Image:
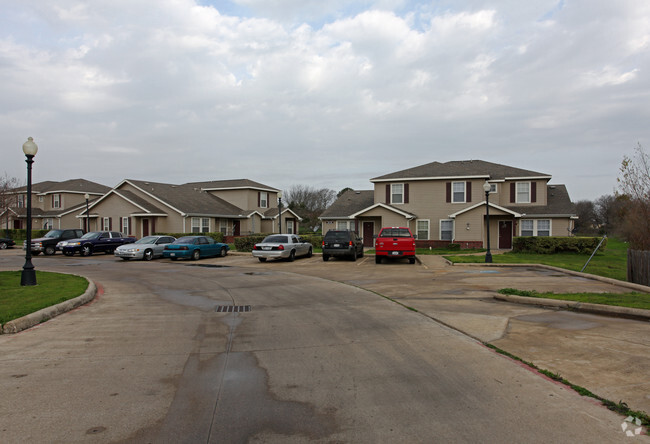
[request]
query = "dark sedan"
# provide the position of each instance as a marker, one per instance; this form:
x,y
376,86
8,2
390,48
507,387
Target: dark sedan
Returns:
x,y
6,243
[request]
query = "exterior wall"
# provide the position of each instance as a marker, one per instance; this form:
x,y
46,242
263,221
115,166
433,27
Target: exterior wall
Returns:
x,y
115,208
247,199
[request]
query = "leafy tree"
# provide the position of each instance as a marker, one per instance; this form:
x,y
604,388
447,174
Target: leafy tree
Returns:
x,y
634,190
309,202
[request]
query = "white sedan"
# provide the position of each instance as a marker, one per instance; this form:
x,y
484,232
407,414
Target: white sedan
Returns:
x,y
282,246
146,248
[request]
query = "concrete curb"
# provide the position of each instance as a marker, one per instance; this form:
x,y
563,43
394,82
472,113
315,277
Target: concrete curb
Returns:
x,y
608,310
47,313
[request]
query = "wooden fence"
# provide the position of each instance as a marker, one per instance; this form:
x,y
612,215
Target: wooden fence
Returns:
x,y
638,267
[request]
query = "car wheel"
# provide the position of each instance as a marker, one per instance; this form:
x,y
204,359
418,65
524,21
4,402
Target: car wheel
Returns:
x,y
148,255
173,258
292,255
49,251
361,252
326,257
262,259
3,245
68,253
86,250
377,259
35,253
196,255
223,252
411,260
310,253
354,255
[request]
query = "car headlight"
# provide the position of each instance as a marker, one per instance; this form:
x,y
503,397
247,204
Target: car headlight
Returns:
x,y
74,244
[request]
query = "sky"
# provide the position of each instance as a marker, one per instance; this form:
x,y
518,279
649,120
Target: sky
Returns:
x,y
327,94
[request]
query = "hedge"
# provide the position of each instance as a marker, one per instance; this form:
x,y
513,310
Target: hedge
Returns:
x,y
21,235
217,236
550,245
246,243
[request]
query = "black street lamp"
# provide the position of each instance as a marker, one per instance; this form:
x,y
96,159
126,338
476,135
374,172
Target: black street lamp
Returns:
x,y
280,211
28,275
486,188
87,196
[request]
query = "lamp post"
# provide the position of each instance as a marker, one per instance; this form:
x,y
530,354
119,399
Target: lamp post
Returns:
x,y
486,188
28,275
87,196
280,211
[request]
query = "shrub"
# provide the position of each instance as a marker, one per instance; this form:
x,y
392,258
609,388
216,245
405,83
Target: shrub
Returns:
x,y
246,243
550,245
453,247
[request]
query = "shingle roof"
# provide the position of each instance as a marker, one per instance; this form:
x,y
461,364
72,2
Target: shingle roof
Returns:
x,y
189,198
350,202
461,168
71,186
558,203
232,183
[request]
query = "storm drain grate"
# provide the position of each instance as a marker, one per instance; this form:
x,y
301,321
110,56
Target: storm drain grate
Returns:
x,y
232,308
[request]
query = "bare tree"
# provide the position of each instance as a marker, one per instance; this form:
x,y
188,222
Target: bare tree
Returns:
x,y
634,187
309,202
8,198
587,223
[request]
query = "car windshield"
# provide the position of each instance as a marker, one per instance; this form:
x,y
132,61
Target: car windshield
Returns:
x,y
276,239
337,236
146,240
395,232
185,240
54,233
91,235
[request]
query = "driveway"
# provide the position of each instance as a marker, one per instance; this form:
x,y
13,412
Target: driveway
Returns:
x,y
151,360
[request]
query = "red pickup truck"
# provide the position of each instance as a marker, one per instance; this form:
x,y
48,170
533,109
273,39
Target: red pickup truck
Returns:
x,y
395,242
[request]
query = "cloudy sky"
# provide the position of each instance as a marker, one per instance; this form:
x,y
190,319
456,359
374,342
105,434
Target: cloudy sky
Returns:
x,y
322,93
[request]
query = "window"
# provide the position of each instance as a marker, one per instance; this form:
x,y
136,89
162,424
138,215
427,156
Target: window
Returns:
x,y
541,227
223,226
289,224
397,193
126,229
523,192
56,201
21,201
200,225
341,224
48,224
493,188
422,229
458,192
106,223
446,229
40,198
264,199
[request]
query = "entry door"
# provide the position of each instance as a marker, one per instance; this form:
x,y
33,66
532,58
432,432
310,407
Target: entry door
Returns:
x,y
368,232
145,227
235,228
505,234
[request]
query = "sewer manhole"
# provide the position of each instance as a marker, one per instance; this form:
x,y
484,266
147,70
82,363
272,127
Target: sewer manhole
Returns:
x,y
232,308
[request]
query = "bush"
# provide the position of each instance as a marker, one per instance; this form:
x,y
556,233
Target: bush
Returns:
x,y
453,247
217,236
21,235
246,243
550,245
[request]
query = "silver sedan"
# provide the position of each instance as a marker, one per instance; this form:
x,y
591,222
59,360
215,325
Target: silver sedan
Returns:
x,y
146,248
282,246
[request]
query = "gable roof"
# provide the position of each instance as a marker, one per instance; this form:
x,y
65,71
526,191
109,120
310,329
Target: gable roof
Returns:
x,y
461,169
350,202
66,186
233,184
558,204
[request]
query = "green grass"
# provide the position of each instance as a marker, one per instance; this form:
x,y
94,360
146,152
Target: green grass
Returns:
x,y
17,301
611,263
631,300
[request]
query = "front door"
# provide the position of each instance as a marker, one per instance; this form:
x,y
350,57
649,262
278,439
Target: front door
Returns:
x,y
505,234
145,227
236,231
368,232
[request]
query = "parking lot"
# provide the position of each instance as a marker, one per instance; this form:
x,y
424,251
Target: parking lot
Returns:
x,y
323,345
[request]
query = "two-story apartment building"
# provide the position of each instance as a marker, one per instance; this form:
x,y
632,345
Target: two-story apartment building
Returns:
x,y
445,202
54,204
233,207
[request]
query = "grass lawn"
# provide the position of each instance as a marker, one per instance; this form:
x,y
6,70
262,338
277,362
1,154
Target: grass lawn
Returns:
x,y
611,263
631,300
17,301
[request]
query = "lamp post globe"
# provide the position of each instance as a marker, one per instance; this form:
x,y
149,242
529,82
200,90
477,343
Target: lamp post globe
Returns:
x,y
487,187
28,275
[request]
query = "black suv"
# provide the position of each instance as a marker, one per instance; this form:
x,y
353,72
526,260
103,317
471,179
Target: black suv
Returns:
x,y
48,243
343,243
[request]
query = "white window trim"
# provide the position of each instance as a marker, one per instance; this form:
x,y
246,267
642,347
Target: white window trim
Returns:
x,y
56,201
493,188
417,230
535,227
517,192
106,224
464,193
264,199
453,228
392,193
347,225
126,228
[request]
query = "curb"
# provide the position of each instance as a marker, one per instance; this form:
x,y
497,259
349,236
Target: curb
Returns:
x,y
47,313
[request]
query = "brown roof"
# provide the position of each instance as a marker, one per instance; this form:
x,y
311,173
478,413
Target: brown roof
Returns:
x,y
350,202
232,183
70,186
558,203
461,168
